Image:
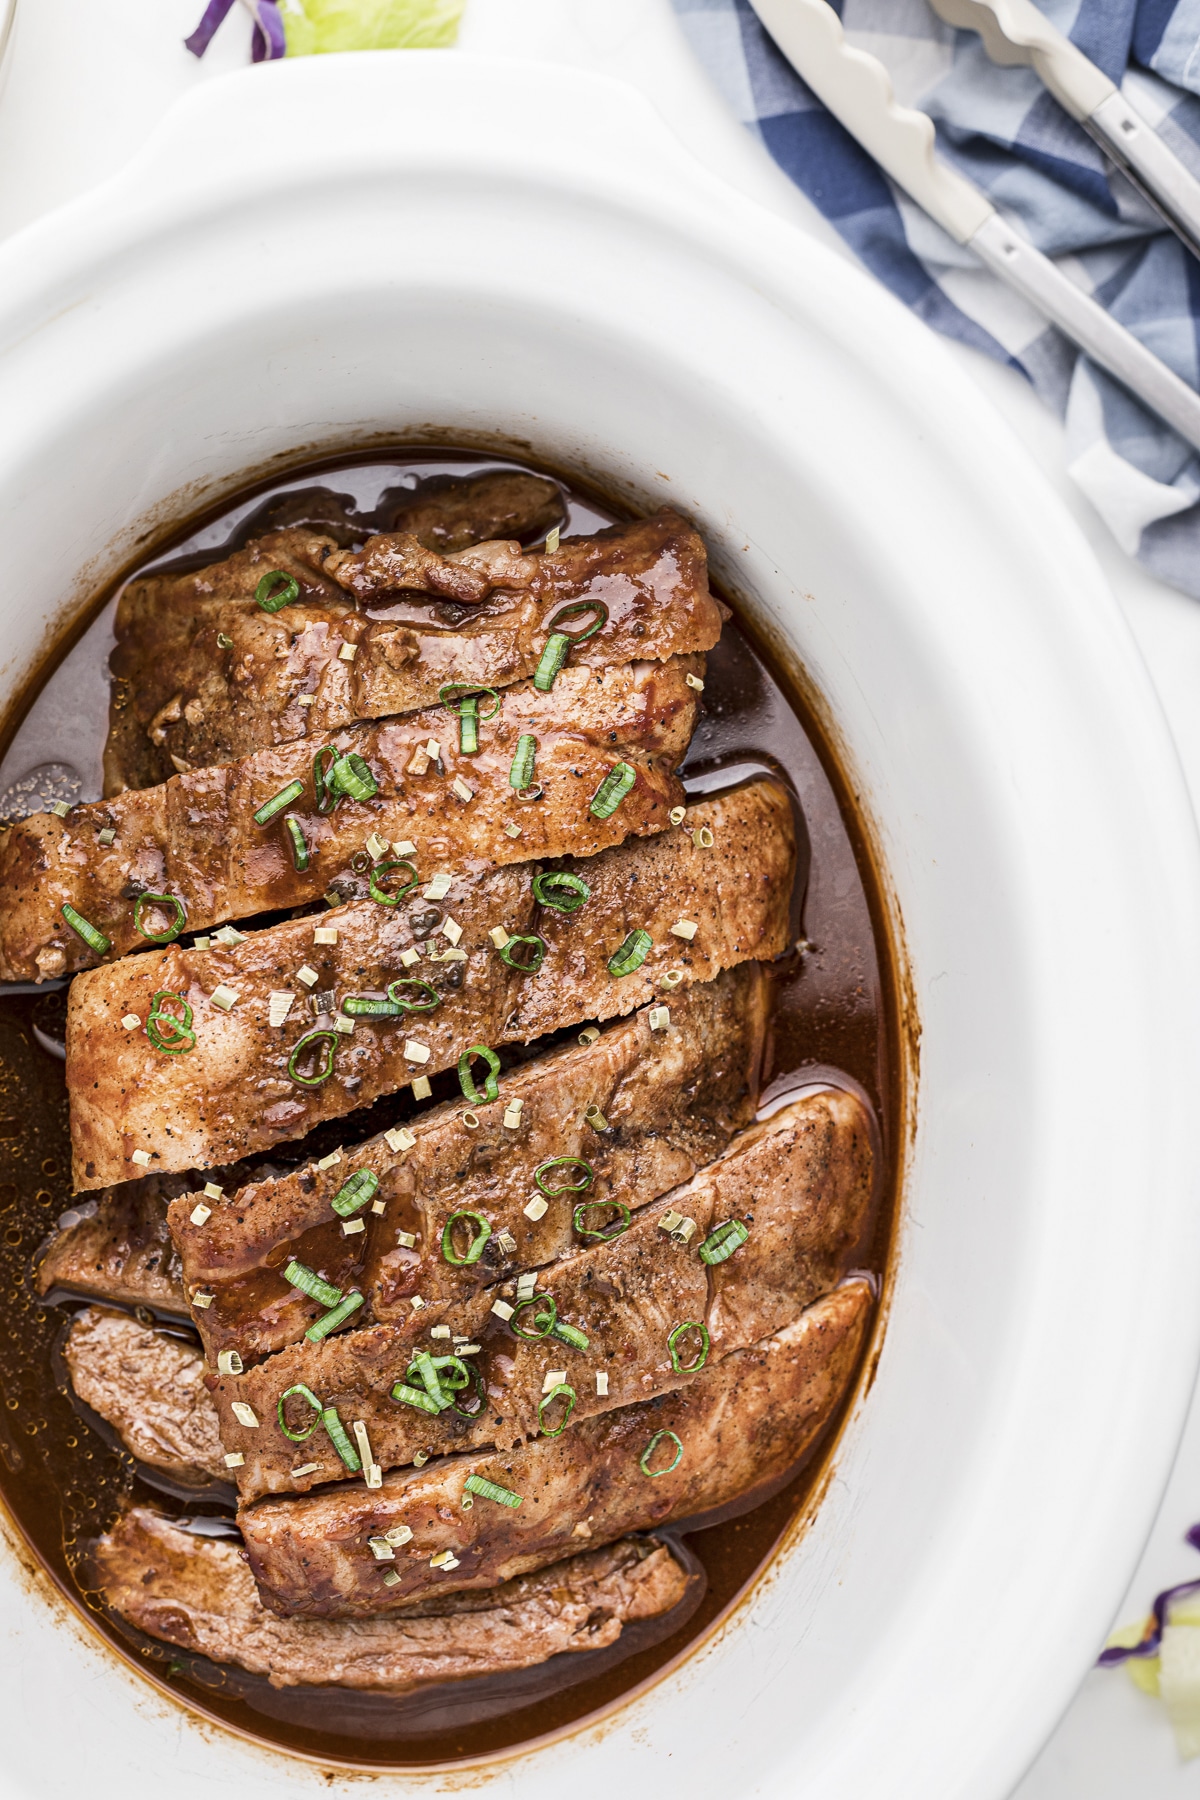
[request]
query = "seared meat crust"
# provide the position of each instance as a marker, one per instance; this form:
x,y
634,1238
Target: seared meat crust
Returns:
x,y
232,1094
195,838
742,1425
198,1593
121,1250
150,1388
451,512
670,1101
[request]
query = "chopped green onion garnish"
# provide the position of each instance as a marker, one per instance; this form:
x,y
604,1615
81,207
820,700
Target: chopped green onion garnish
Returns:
x,y
276,804
305,1393
178,1030
559,889
475,1247
611,1230
559,642
359,1006
554,655
564,1187
521,773
431,998
95,940
339,1439
325,1058
224,641
612,790
271,596
632,954
312,1284
721,1243
536,954
321,1328
651,1447
385,868
355,1194
299,842
327,798
469,714
411,1396
570,1334
350,775
543,1322
170,903
466,1080
426,1368
489,1490
560,1391
682,1368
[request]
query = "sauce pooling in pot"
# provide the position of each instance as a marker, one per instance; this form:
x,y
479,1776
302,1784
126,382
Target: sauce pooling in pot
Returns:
x,y
63,1474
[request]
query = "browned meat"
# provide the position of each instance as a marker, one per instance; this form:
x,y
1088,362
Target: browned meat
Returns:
x,y
198,1593
195,839
150,1389
740,1427
447,512
119,1249
204,676
802,1179
669,1102
232,1093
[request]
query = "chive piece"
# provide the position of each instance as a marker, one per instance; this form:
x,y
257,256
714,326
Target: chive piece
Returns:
x,y
692,1368
411,1396
648,1452
489,1490
632,954
426,1368
612,790
557,1392
339,1439
169,902
325,1059
355,1194
466,1080
721,1243
554,655
271,596
559,642
321,1328
276,804
295,832
559,889
570,1334
298,1275
95,940
521,773
327,799
179,1030
305,1393
543,1322
469,714
536,955
359,1006
351,776
565,1187
611,1230
474,1248
385,868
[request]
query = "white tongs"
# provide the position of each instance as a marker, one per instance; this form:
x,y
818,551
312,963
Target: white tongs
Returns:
x,y
857,89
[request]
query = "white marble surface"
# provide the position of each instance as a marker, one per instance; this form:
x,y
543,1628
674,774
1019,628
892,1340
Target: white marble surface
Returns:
x,y
85,80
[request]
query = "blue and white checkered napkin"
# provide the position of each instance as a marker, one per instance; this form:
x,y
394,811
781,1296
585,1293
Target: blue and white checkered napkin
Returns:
x,y
1003,129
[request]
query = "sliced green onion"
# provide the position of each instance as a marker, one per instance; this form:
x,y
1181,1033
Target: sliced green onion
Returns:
x,y
612,1230
521,773
271,596
478,1240
565,1187
612,790
298,1275
411,1396
466,1081
359,1006
276,804
481,1396
170,903
721,1243
350,775
327,798
692,1368
559,889
339,1439
543,1322
489,1490
536,955
469,714
179,1030
321,1328
295,832
632,954
570,1334
432,997
426,1368
557,1392
452,1372
559,642
95,940
305,1393
325,1061
652,1446
554,655
385,868
354,1195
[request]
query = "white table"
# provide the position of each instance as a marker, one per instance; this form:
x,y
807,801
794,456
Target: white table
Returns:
x,y
86,80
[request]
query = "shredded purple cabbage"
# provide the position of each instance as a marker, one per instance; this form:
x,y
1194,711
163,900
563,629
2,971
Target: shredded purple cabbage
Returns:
x,y
1151,1642
214,15
268,43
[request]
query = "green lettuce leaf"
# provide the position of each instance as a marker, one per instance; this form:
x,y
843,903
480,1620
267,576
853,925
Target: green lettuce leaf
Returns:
x,y
313,27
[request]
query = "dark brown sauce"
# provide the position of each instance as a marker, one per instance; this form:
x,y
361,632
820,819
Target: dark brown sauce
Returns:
x,y
63,1477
